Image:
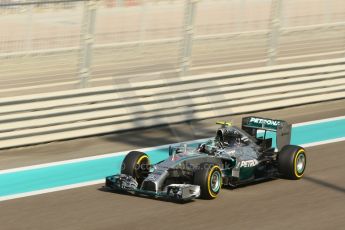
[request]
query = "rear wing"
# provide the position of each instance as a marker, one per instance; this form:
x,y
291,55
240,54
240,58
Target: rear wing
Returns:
x,y
283,130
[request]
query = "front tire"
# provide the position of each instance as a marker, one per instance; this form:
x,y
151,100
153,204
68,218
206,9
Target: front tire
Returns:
x,y
292,162
136,164
209,178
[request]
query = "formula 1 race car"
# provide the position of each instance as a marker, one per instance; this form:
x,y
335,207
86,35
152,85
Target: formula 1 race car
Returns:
x,y
234,157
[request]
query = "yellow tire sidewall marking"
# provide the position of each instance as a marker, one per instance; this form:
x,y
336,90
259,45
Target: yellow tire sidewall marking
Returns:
x,y
295,163
140,160
209,178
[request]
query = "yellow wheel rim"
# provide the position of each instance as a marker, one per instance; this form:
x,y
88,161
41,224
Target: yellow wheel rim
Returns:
x,y
209,182
299,163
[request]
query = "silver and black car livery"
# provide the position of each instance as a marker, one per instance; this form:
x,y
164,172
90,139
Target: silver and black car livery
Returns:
x,y
235,156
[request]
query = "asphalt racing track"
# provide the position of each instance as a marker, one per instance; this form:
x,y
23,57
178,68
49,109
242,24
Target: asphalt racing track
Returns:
x,y
315,202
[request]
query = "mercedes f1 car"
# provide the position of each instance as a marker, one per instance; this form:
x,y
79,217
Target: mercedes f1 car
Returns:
x,y
235,156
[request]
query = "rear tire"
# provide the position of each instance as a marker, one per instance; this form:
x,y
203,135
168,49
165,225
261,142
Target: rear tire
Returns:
x,y
136,164
292,162
209,177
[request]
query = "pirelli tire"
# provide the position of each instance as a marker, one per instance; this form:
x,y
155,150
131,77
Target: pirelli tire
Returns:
x,y
292,161
136,164
209,177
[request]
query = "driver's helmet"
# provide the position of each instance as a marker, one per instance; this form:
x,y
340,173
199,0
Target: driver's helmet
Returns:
x,y
229,136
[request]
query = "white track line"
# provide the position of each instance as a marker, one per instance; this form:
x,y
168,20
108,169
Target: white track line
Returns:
x,y
324,142
38,192
319,121
60,162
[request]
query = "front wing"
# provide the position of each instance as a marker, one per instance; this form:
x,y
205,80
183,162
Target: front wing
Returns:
x,y
125,183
